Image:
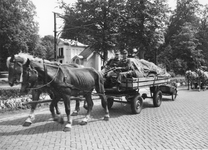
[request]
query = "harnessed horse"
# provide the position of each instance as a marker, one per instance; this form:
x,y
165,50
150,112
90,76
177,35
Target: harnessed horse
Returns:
x,y
191,77
203,78
68,82
15,69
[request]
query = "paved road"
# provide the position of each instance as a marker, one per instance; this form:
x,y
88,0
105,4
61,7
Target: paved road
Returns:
x,y
180,124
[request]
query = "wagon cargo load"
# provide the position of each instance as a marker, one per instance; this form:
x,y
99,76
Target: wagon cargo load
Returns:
x,y
143,74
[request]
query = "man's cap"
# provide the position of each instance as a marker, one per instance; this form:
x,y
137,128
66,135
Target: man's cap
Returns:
x,y
124,52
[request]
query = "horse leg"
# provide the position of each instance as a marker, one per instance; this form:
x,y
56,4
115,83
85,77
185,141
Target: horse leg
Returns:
x,y
105,102
54,104
188,84
88,99
77,108
85,105
55,99
68,126
199,85
31,117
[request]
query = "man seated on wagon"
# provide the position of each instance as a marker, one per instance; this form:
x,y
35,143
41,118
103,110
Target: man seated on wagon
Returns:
x,y
113,62
121,71
124,67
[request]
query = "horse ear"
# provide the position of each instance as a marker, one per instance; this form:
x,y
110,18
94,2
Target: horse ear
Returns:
x,y
27,63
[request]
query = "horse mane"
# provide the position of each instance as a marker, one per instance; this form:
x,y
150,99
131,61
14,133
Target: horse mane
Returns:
x,y
23,57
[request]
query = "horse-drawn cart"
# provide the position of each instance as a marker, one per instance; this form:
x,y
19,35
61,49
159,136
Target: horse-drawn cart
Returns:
x,y
130,89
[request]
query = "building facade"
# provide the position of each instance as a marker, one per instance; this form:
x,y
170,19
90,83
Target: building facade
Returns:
x,y
67,49
70,51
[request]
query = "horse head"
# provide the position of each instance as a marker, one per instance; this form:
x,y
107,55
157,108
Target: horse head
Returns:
x,y
14,65
30,77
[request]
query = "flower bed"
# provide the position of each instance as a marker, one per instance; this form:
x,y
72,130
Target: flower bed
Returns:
x,y
10,99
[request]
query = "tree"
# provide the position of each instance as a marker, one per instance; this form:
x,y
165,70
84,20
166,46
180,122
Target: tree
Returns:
x,y
94,23
202,35
181,37
143,25
48,43
18,30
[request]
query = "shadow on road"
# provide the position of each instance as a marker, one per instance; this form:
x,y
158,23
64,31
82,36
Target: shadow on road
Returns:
x,y
43,123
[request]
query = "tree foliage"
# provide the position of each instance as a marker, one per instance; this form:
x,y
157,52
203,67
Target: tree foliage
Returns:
x,y
122,24
176,39
18,30
48,43
183,39
94,23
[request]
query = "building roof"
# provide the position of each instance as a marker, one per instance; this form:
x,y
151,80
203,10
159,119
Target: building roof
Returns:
x,y
72,42
86,53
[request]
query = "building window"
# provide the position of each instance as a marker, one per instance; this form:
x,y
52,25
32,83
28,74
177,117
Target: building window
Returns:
x,y
61,52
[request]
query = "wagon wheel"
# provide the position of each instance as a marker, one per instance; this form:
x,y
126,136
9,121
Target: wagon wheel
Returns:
x,y
157,98
136,104
110,102
174,95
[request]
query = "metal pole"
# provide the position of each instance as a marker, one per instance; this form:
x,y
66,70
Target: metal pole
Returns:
x,y
55,39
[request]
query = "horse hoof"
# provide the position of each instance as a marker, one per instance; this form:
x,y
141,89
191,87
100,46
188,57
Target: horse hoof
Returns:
x,y
83,123
66,129
106,118
26,124
74,114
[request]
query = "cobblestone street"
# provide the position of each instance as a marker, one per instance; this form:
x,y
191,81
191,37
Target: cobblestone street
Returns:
x,y
179,124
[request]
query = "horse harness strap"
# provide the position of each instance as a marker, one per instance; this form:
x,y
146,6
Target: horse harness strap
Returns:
x,y
46,83
45,74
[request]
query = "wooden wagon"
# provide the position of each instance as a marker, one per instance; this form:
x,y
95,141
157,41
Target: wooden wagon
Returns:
x,y
130,89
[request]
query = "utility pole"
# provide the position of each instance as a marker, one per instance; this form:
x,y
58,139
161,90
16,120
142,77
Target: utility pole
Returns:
x,y
55,39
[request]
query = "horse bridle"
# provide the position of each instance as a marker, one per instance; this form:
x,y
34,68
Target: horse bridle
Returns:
x,y
14,68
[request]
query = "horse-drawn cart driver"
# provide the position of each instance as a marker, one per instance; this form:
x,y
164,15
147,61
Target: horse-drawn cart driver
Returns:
x,y
113,62
122,70
124,64
124,67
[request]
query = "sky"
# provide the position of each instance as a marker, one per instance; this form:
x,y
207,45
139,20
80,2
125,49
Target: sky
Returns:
x,y
45,15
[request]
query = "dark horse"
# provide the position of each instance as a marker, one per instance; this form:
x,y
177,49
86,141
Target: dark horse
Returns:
x,y
15,69
67,82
